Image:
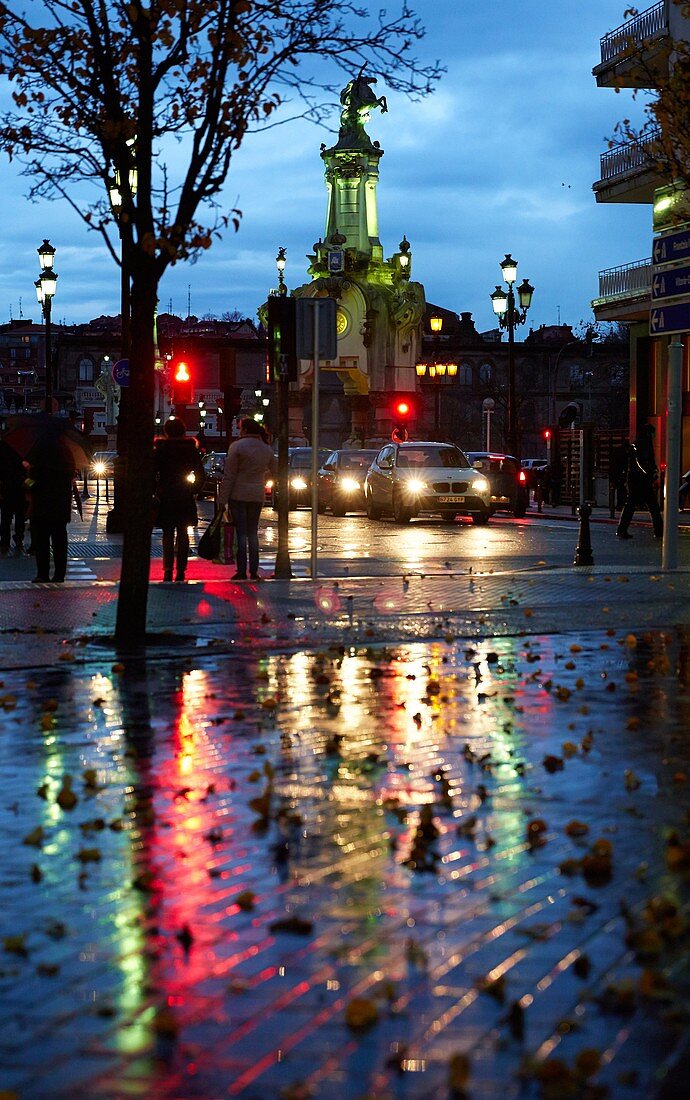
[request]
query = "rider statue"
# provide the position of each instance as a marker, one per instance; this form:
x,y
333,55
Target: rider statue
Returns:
x,y
358,101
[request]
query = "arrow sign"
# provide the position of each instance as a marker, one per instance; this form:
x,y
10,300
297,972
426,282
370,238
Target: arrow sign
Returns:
x,y
664,320
670,283
671,247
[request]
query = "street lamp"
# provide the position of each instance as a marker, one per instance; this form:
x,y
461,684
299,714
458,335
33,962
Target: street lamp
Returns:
x,y
46,285
436,370
283,567
509,315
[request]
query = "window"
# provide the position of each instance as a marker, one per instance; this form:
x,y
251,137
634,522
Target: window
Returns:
x,y
86,369
464,375
617,374
486,373
577,373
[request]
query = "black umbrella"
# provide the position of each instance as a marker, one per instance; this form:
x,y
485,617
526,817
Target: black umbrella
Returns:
x,y
39,436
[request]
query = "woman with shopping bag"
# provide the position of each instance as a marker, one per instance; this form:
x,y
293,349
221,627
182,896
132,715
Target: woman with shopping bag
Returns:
x,y
249,463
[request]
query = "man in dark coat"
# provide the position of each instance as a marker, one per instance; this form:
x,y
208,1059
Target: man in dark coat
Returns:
x,y
641,483
179,476
50,483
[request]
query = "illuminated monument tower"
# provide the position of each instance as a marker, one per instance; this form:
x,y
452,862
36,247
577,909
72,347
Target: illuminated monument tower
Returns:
x,y
379,309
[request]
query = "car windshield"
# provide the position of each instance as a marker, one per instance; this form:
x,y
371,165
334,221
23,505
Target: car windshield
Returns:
x,y
362,460
426,458
301,460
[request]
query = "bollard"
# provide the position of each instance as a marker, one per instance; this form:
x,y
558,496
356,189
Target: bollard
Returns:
x,y
583,552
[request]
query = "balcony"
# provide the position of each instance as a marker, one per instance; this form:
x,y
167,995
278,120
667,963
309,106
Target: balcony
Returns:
x,y
624,292
635,55
628,172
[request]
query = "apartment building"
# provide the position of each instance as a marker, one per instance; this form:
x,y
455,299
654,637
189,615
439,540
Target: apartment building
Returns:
x,y
639,55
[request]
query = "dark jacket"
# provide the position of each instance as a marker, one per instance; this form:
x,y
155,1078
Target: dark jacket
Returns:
x,y
174,460
12,475
49,482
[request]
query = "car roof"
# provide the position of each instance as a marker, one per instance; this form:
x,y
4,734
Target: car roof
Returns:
x,y
425,443
490,454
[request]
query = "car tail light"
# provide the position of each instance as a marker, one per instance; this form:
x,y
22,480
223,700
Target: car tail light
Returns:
x,y
522,477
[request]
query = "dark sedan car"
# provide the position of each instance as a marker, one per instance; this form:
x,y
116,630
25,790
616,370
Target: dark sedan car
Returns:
x,y
341,481
509,488
299,476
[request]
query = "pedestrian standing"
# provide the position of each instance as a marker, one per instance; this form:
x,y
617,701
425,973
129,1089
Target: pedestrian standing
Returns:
x,y
50,485
249,463
641,491
12,500
179,475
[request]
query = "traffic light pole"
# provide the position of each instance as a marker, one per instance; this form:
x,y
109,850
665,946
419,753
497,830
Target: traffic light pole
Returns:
x,y
315,446
283,568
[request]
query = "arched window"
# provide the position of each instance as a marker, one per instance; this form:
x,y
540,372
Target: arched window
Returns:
x,y
486,373
464,377
86,369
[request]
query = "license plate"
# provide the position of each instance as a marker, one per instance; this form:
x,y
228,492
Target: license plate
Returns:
x,y
451,500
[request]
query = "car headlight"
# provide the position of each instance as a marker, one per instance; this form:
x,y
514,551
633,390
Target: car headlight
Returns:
x,y
480,485
414,485
298,483
348,484
191,478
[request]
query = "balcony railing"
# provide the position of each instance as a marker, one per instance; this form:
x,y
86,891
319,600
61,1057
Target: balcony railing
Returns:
x,y
635,32
631,157
627,281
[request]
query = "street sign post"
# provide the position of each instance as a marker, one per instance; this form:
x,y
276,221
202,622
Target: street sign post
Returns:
x,y
670,282
664,320
671,247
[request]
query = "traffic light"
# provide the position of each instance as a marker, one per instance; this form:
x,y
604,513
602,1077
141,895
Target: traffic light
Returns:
x,y
233,402
547,435
282,337
182,384
404,408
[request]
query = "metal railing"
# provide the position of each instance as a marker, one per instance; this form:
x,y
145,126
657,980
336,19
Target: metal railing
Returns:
x,y
627,281
634,32
629,157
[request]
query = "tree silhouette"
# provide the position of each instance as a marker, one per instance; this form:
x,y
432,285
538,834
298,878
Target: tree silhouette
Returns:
x,y
163,94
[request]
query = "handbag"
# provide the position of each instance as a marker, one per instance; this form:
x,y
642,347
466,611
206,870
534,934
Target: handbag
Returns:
x,y
209,543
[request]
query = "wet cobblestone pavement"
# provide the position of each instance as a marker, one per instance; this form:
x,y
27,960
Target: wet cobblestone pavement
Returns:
x,y
429,869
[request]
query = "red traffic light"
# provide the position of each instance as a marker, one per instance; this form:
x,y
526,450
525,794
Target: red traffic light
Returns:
x,y
402,409
183,388
547,434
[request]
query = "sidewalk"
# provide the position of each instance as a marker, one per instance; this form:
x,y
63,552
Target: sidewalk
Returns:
x,y
387,838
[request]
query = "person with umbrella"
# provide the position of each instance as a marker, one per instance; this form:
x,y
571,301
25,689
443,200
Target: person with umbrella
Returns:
x,y
54,451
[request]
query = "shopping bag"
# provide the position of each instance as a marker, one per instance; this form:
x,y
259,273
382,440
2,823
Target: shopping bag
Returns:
x,y
226,545
210,542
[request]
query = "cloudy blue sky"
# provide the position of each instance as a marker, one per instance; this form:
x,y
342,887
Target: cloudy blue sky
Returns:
x,y
501,159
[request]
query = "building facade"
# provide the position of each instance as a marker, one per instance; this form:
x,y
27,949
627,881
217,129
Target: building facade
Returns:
x,y
639,55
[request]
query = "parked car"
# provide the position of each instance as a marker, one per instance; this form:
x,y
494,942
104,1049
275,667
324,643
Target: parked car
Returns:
x,y
341,481
214,464
410,478
509,487
299,476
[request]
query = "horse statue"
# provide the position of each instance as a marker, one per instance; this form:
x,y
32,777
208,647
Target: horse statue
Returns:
x,y
359,100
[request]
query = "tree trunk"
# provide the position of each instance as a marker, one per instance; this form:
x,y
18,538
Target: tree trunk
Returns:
x,y
130,626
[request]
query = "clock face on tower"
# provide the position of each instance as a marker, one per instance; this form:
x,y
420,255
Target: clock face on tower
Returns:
x,y
342,322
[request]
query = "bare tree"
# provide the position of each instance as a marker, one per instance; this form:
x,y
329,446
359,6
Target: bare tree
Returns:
x,y
169,90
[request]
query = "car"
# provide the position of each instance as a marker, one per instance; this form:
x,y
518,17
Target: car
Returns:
x,y
509,486
341,480
299,476
214,464
410,478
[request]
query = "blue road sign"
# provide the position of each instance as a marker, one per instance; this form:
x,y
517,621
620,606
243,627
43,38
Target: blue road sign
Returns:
x,y
664,320
670,283
121,372
671,247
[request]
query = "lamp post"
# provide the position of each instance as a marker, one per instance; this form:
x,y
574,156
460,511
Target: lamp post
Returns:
x,y
436,370
283,566
509,315
46,285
